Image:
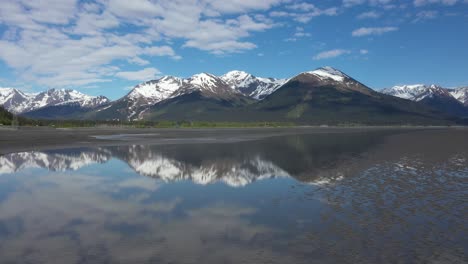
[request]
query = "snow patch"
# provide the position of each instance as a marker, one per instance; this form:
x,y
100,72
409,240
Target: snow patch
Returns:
x,y
329,73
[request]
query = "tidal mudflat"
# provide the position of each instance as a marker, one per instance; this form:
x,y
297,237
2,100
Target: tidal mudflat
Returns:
x,y
360,196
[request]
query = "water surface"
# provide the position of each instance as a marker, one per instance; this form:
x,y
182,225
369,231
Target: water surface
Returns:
x,y
362,197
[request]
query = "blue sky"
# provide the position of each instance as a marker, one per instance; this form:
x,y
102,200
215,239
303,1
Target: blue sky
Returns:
x,y
108,46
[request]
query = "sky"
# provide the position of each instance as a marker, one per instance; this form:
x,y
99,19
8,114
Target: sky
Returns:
x,y
105,47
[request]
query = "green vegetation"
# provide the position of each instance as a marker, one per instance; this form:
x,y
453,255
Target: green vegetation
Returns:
x,y
146,124
5,117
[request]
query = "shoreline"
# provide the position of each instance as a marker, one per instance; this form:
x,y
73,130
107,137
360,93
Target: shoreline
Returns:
x,y
45,138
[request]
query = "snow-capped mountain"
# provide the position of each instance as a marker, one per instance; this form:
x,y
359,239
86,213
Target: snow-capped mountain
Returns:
x,y
19,102
252,86
461,94
156,90
149,93
230,85
437,97
15,100
329,73
140,99
214,97
207,84
329,76
417,92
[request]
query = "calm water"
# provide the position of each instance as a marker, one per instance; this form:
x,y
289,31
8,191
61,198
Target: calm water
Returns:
x,y
363,197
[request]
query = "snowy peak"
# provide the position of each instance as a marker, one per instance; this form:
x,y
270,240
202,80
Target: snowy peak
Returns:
x,y
237,78
461,94
437,97
417,92
249,85
20,102
205,81
208,84
54,97
149,93
67,96
14,100
156,90
329,73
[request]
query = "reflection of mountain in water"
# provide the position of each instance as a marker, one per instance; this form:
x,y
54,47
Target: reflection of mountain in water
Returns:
x,y
315,158
310,158
55,161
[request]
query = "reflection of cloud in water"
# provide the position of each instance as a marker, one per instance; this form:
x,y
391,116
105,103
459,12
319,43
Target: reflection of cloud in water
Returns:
x,y
71,223
382,198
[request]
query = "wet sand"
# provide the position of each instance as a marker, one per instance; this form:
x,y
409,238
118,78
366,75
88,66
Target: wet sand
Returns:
x,y
38,138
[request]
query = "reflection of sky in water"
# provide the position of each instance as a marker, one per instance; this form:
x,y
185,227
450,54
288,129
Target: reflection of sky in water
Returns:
x,y
364,198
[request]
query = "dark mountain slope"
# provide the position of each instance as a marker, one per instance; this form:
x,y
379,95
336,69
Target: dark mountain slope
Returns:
x,y
314,97
196,106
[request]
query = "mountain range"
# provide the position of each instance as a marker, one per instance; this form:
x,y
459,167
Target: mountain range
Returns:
x,y
322,96
50,103
451,101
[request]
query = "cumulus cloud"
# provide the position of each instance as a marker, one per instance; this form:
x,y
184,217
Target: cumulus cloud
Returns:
x,y
366,31
142,75
331,54
58,43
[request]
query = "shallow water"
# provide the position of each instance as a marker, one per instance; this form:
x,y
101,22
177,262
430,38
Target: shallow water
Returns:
x,y
363,197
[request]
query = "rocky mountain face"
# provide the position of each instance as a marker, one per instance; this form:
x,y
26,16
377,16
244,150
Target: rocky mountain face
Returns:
x,y
19,102
450,101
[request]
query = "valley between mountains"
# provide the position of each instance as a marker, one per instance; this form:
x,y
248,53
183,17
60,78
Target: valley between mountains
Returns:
x,y
322,96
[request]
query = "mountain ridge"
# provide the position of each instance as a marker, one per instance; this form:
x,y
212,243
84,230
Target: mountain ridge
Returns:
x,y
19,102
207,97
451,101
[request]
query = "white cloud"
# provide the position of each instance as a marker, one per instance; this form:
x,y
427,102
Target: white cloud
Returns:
x,y
160,51
370,14
138,61
142,75
366,31
305,12
331,54
443,2
351,3
363,51
239,6
424,15
302,6
67,43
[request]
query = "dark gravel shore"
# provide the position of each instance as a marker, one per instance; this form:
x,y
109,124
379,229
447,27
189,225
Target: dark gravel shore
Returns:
x,y
38,138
